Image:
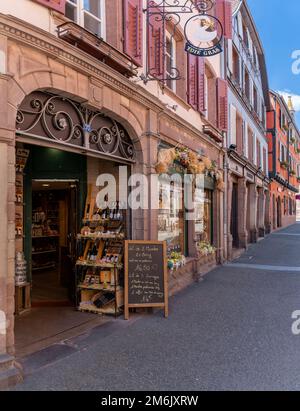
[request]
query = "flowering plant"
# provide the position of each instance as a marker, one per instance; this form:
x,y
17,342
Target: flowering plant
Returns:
x,y
205,248
176,261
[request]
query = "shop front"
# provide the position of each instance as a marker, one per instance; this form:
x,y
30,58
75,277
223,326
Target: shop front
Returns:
x,y
65,121
69,243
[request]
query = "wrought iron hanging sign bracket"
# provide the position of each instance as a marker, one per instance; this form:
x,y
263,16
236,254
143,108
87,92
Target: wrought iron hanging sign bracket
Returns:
x,y
203,34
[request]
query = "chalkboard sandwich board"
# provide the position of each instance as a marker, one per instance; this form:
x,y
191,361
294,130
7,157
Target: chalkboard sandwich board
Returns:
x,y
146,275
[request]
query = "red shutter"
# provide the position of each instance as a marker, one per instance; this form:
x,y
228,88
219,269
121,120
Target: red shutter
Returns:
x,y
156,36
193,81
222,101
58,5
224,14
133,27
201,84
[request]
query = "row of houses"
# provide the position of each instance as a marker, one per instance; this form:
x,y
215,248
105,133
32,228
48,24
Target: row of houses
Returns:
x,y
88,85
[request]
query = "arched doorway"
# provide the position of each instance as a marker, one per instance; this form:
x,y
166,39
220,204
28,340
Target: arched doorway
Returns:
x,y
69,144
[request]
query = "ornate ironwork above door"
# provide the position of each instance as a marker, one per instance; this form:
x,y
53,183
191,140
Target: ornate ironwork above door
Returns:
x,y
53,117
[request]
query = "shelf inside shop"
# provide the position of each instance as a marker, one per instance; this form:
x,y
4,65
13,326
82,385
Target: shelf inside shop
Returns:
x,y
44,267
99,265
100,287
43,252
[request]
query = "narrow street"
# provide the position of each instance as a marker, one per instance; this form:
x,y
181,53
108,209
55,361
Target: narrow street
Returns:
x,y
230,332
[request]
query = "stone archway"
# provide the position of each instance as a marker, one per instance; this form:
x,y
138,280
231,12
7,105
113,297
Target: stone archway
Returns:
x,y
67,123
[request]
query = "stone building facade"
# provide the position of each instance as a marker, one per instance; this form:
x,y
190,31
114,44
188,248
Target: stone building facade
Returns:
x,y
40,52
247,148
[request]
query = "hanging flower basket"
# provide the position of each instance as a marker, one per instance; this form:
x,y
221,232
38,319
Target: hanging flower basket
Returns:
x,y
192,162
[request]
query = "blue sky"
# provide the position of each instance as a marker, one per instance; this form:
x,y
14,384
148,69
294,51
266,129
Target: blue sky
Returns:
x,y
278,24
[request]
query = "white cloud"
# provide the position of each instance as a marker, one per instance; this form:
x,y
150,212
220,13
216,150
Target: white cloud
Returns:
x,y
295,98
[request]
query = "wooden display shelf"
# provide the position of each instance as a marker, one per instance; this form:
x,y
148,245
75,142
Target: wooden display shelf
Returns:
x,y
99,265
100,287
99,237
46,267
43,252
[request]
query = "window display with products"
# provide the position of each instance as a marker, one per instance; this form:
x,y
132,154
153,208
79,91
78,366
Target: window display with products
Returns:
x,y
203,224
171,217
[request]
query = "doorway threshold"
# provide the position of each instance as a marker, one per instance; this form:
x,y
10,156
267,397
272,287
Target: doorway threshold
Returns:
x,y
43,327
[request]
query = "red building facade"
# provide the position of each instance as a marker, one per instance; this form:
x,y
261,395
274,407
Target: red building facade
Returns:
x,y
284,148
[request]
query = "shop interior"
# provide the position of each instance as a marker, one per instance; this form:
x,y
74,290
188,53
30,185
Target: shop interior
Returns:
x,y
54,211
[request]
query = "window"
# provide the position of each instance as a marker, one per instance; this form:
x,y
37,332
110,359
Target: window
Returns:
x,y
89,14
171,226
170,61
204,221
247,85
255,100
245,35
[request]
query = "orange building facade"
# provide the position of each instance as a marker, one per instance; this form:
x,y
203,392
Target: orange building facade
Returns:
x,y
284,159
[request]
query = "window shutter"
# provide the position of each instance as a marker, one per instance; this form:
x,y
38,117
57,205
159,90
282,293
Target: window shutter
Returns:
x,y
232,124
246,142
201,84
230,58
224,14
133,27
250,145
58,5
156,36
222,101
240,25
193,81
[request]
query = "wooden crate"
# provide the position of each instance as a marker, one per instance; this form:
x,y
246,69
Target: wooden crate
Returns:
x,y
86,296
22,298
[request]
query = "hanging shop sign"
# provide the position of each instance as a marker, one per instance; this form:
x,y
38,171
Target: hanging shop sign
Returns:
x,y
146,275
204,34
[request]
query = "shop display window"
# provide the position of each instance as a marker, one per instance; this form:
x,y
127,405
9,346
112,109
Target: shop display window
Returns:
x,y
171,225
203,223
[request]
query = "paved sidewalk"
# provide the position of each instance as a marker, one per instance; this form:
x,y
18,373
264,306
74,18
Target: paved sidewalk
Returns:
x,y
230,332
